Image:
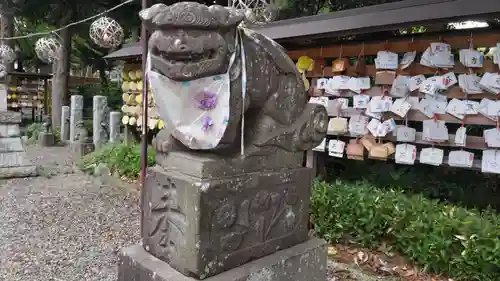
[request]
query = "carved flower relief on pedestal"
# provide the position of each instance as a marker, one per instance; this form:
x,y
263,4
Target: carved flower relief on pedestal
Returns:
x,y
169,223
259,215
226,217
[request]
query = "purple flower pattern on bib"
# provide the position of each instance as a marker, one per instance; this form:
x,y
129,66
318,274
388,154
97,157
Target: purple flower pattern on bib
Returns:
x,y
207,123
206,100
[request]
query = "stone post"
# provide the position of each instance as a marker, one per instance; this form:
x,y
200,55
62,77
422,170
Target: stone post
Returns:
x,y
3,97
76,115
114,126
127,135
100,121
65,124
14,162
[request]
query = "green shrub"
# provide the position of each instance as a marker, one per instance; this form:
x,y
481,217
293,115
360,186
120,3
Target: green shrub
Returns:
x,y
34,129
119,158
112,91
467,188
465,244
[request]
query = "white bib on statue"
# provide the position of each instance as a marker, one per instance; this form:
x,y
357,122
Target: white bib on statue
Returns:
x,y
197,110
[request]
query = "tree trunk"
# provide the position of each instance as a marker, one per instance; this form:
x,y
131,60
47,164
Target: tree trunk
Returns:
x,y
60,80
102,73
8,30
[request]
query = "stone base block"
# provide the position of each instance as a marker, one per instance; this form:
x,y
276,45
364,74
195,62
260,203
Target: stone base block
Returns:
x,y
46,139
9,130
203,227
18,172
10,117
14,159
82,149
303,262
13,144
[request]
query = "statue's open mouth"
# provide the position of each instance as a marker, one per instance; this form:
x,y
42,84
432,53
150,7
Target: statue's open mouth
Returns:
x,y
190,55
184,58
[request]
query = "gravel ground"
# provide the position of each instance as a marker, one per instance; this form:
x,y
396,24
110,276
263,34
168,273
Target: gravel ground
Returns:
x,y
63,225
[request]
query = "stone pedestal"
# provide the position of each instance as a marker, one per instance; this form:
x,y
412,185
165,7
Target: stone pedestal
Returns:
x,y
46,139
210,216
81,149
13,159
303,262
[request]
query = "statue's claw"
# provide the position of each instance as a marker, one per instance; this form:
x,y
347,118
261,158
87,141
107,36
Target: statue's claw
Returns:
x,y
314,130
163,142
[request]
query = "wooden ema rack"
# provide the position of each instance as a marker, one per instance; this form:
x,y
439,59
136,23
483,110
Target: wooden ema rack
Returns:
x,y
475,142
28,91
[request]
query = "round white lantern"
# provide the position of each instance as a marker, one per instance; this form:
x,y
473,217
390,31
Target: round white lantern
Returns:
x,y
257,12
7,54
47,49
106,32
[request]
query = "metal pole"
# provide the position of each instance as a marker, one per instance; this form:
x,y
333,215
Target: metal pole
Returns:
x,y
144,138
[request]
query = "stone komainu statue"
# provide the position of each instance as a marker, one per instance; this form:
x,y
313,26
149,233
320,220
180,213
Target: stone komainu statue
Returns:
x,y
212,208
192,41
47,124
82,133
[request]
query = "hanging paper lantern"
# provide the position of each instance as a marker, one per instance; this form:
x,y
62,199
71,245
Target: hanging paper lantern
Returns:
x,y
160,124
125,120
47,49
152,123
7,54
106,32
132,86
132,121
304,64
125,97
139,121
138,99
256,12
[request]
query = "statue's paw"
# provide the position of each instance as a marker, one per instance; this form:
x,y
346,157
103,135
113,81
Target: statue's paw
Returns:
x,y
319,123
161,145
315,128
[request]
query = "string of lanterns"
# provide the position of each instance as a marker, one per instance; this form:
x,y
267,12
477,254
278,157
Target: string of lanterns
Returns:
x,y
108,33
104,32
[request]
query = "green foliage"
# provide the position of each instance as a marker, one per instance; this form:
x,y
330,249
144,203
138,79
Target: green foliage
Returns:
x,y
112,91
466,188
119,158
465,244
300,8
88,125
27,54
34,129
